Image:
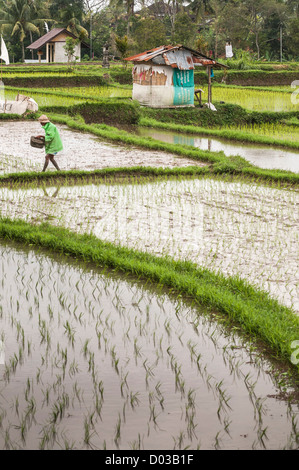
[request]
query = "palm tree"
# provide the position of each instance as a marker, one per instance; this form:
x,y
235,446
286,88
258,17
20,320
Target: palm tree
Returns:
x,y
40,14
129,7
71,16
16,16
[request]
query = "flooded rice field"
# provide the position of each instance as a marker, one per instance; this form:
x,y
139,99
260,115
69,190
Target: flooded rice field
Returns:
x,y
89,360
81,152
86,152
236,228
254,100
261,156
92,361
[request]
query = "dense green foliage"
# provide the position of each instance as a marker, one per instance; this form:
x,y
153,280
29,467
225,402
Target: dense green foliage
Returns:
x,y
259,30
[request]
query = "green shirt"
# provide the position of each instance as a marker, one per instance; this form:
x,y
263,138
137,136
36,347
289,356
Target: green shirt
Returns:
x,y
53,141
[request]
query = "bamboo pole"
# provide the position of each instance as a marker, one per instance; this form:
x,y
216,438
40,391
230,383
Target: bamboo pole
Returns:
x,y
1,54
209,86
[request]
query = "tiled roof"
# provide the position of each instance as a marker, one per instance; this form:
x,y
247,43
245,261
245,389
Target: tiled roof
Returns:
x,y
48,37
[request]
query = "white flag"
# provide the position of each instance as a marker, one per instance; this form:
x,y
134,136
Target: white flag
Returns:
x,y
228,51
46,27
4,52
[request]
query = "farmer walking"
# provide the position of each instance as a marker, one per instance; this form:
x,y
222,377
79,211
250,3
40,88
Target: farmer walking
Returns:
x,y
53,143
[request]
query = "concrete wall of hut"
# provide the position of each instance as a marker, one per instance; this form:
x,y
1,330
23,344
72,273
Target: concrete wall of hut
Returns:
x,y
157,86
59,51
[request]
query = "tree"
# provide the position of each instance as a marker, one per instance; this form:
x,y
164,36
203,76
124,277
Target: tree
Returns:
x,y
292,41
16,17
218,8
199,8
201,45
69,15
122,45
149,33
243,21
98,23
71,19
70,48
276,20
172,9
92,8
293,8
184,29
129,6
40,16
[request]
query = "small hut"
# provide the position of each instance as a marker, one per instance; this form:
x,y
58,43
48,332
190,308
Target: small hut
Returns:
x,y
54,42
164,77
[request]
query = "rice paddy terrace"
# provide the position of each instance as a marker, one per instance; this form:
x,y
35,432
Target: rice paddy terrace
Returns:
x,y
149,292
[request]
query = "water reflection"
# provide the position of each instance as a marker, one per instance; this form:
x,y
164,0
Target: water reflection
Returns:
x,y
240,229
96,361
262,156
51,192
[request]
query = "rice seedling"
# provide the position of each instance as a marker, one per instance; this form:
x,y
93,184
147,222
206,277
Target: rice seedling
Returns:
x,y
117,431
222,198
46,99
279,132
266,134
150,354
93,92
257,99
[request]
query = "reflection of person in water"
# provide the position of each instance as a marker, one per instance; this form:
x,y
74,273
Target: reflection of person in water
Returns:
x,y
54,194
53,143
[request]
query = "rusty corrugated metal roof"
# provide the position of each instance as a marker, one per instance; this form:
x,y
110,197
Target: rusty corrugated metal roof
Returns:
x,y
178,56
202,61
148,55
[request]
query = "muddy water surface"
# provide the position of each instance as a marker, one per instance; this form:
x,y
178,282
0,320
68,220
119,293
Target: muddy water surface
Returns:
x,y
91,361
240,229
262,156
81,152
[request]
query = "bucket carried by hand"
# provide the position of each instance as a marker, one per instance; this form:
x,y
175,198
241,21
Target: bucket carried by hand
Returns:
x,y
37,142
